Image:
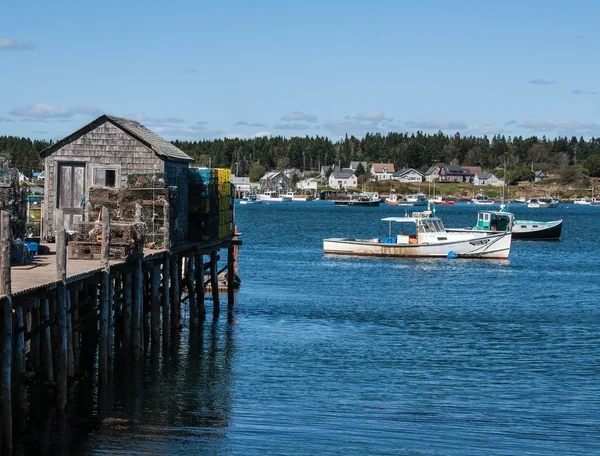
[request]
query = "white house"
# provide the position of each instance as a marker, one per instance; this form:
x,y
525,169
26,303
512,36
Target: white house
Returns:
x,y
309,183
408,175
432,174
241,184
382,171
342,179
487,179
540,175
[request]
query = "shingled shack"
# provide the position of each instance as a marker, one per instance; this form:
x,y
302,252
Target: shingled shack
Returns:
x,y
104,153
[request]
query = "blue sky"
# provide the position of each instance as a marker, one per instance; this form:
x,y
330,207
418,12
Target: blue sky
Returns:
x,y
198,69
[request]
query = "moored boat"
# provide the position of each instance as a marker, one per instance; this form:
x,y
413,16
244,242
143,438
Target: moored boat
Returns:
x,y
493,221
392,200
251,199
441,201
415,200
482,200
273,196
363,199
542,202
429,238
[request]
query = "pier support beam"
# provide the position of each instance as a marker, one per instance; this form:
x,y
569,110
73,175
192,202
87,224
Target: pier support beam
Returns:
x,y
191,288
7,333
175,270
105,299
137,311
127,318
214,282
165,301
61,314
200,286
230,276
155,304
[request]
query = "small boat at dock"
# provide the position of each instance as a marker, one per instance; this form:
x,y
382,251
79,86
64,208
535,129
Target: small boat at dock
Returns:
x,y
273,196
542,202
363,199
251,199
482,200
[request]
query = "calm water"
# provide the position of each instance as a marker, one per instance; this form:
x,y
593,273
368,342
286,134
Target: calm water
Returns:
x,y
363,356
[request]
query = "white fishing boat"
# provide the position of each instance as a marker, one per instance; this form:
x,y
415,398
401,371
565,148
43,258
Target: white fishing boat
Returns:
x,y
250,199
416,200
482,200
300,198
542,202
583,201
273,196
429,238
392,200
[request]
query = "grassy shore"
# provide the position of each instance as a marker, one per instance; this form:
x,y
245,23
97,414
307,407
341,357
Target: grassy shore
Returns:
x,y
467,191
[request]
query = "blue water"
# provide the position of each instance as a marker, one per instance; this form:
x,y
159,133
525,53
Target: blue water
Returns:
x,y
326,355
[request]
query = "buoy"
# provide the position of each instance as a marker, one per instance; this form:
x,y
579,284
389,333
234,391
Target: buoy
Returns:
x,y
452,254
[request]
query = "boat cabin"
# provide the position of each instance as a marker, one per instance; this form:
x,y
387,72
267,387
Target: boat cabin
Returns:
x,y
414,230
494,221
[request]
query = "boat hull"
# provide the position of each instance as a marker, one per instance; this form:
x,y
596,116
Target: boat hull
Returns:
x,y
495,246
356,203
537,231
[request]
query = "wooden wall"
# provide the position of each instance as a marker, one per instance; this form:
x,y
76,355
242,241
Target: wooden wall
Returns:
x,y
106,144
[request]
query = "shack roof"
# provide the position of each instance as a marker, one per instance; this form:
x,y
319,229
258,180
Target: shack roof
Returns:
x,y
150,139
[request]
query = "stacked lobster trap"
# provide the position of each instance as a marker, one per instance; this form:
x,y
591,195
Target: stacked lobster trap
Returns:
x,y
137,218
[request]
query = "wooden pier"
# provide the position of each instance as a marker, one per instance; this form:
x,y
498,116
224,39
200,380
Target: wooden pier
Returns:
x,y
64,320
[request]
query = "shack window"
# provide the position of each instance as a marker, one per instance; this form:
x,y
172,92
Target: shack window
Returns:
x,y
106,175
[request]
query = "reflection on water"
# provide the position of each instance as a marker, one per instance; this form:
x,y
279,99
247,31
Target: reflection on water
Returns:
x,y
169,401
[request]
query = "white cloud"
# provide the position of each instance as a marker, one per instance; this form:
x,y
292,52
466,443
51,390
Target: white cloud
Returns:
x,y
143,118
249,124
292,126
10,44
438,125
260,134
370,116
562,127
299,117
542,81
45,112
234,136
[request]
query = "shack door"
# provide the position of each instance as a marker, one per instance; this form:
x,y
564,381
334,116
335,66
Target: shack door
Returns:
x,y
71,184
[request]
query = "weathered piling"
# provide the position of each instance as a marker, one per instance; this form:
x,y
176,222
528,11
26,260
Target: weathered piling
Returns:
x,y
230,276
166,301
61,314
127,316
7,333
191,289
137,310
155,303
105,298
200,286
175,270
214,281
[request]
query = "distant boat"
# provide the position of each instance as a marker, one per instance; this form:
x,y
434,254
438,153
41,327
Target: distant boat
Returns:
x,y
251,199
441,201
296,197
392,200
521,200
430,239
494,221
542,202
363,199
584,201
482,200
416,200
273,196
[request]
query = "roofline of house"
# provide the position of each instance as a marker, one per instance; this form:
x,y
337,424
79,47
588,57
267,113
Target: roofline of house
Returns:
x,y
95,123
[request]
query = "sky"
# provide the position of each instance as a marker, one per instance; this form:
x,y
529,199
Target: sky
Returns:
x,y
193,70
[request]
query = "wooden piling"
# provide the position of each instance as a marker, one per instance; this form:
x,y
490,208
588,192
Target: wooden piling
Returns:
x,y
104,298
70,351
155,304
19,369
137,310
127,320
166,300
61,314
74,292
7,333
191,288
200,286
175,270
214,282
230,276
34,346
46,367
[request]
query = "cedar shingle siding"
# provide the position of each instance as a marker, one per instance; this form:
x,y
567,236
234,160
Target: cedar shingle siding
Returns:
x,y
119,142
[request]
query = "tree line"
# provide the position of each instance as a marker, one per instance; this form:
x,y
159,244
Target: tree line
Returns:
x,y
572,157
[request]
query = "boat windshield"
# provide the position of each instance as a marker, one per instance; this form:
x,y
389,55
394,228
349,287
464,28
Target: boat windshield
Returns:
x,y
431,226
